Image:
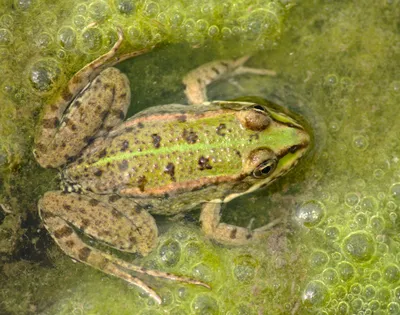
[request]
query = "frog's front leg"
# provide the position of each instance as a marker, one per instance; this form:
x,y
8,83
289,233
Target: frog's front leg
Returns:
x,y
196,81
130,230
226,233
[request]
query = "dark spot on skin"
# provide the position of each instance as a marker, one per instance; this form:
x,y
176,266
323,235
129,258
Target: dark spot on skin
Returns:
x,y
238,153
77,103
142,181
67,95
190,136
93,202
232,235
181,118
102,153
254,137
129,129
85,224
220,130
204,163
88,139
125,145
67,207
170,169
121,115
50,123
77,79
80,161
106,86
294,148
156,140
140,125
68,158
63,232
224,64
199,81
70,243
123,166
113,198
132,240
249,236
84,253
123,95
215,70
81,210
116,214
53,108
98,173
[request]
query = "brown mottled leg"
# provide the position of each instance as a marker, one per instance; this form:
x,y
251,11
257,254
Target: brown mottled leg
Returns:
x,y
131,231
196,81
226,233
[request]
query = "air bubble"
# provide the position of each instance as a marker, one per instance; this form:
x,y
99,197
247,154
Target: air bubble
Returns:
x,y
170,253
244,268
319,259
377,223
351,199
92,40
369,292
43,40
369,204
374,305
331,80
151,9
226,33
202,25
346,271
379,173
176,19
44,74
310,213
332,233
356,304
343,308
359,246
315,294
202,272
67,37
99,10
383,295
204,304
360,143
375,276
23,5
391,274
79,21
330,276
361,220
5,37
125,6
395,191
213,31
260,22
394,308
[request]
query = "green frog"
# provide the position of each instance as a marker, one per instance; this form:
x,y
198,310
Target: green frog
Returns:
x,y
165,160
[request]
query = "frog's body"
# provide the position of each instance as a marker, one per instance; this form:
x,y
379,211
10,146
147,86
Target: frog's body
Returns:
x,y
164,160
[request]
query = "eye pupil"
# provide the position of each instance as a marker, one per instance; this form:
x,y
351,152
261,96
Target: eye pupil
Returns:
x,y
264,169
259,107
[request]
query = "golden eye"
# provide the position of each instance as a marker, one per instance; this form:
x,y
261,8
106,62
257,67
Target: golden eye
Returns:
x,y
264,169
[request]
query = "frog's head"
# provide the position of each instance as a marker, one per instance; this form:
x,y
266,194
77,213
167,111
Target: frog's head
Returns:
x,y
277,141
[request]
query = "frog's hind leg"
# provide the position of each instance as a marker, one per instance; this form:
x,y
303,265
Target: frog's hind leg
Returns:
x,y
226,233
197,80
131,231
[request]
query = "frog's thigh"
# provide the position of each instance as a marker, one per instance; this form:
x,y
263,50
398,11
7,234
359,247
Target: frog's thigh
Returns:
x,y
99,107
136,233
196,81
226,233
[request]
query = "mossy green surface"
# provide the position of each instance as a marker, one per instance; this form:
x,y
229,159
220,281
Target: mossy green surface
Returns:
x,y
337,249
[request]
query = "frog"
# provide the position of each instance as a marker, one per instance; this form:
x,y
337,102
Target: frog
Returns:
x,y
116,173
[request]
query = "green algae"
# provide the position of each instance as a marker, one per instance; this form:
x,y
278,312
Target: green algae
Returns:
x,y
337,249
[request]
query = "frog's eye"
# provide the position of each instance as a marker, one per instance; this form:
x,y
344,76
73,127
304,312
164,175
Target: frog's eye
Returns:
x,y
259,108
264,169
